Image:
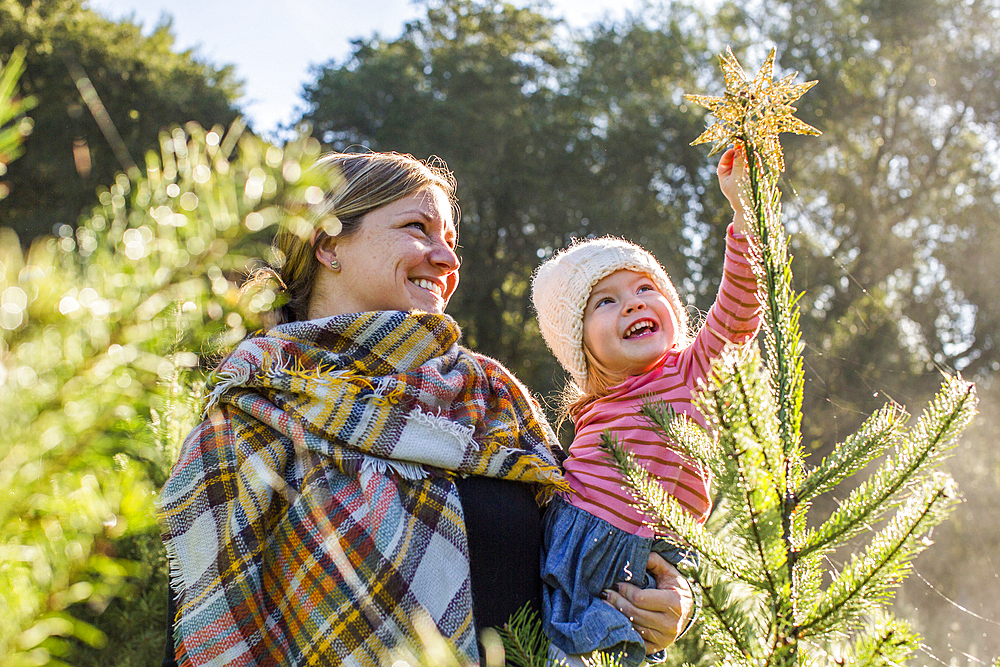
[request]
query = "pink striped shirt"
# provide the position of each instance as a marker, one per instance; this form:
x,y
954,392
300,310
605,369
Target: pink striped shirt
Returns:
x,y
597,486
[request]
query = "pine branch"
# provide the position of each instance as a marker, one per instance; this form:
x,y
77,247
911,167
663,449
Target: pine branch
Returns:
x,y
737,405
524,642
807,580
887,642
782,346
728,467
867,580
722,639
878,432
12,108
668,516
600,659
944,419
782,337
742,384
753,491
686,435
751,383
744,479
923,449
726,610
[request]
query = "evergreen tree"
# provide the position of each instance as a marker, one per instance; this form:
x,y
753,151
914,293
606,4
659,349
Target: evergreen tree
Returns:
x,y
12,110
104,333
771,595
105,91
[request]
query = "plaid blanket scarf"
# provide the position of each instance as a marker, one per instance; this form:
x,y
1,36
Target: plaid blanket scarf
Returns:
x,y
313,514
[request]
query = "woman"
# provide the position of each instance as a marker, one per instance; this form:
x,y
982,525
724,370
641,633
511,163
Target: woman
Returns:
x,y
357,469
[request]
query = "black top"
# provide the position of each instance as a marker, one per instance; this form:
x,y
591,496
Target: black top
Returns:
x,y
504,527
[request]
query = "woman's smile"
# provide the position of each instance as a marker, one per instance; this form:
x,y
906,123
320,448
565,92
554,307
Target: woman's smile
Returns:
x,y
428,285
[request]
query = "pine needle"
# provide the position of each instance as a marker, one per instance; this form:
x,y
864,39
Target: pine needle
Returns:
x,y
524,642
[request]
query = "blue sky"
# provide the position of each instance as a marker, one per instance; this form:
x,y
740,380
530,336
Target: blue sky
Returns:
x,y
273,43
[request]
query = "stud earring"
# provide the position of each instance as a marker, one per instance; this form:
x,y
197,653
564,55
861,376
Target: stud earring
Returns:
x,y
334,265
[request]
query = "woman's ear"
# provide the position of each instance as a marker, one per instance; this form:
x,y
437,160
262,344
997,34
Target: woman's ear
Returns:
x,y
326,254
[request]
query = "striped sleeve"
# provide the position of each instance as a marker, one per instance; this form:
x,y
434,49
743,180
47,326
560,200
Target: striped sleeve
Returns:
x,y
734,317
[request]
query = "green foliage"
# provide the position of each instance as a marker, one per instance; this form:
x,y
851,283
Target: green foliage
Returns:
x,y
11,109
551,137
104,92
886,642
135,621
524,642
105,331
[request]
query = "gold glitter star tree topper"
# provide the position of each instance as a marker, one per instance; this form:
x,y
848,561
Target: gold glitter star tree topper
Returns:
x,y
754,112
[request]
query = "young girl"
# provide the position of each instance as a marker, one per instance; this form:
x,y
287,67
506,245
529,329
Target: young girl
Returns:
x,y
611,316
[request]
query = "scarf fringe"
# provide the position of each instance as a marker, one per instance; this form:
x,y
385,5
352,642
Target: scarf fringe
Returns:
x,y
405,469
224,381
176,583
462,434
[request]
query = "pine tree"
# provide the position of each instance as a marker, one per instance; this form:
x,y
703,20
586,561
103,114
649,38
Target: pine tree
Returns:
x,y
12,109
104,333
772,593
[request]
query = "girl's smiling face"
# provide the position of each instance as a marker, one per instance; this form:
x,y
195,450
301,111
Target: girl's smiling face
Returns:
x,y
628,325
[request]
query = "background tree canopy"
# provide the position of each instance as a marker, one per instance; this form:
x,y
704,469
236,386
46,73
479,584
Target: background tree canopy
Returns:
x,y
142,84
554,135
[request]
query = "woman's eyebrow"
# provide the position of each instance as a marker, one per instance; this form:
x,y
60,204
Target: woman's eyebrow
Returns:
x,y
428,218
414,213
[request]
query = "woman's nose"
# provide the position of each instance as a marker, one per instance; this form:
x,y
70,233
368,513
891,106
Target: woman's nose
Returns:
x,y
444,256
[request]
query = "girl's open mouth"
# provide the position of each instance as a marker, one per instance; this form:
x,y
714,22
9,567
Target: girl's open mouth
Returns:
x,y
640,329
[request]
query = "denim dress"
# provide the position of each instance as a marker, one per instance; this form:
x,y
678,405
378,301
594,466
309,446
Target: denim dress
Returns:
x,y
582,556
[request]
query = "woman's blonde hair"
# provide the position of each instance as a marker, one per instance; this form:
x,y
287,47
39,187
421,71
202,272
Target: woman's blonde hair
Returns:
x,y
362,183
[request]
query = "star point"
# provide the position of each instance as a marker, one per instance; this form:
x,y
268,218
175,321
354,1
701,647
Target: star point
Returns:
x,y
756,110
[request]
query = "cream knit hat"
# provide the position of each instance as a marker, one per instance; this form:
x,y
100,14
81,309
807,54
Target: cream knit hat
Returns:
x,y
561,286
